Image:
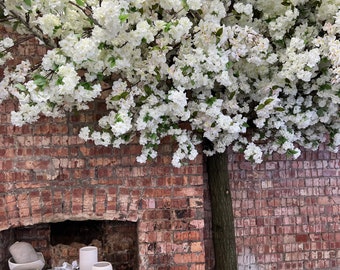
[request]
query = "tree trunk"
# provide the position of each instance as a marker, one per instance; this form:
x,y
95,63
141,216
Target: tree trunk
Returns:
x,y
222,213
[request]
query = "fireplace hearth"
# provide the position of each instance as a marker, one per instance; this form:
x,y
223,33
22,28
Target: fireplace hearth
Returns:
x,y
60,242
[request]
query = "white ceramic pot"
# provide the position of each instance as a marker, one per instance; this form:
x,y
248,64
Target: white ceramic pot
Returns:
x,y
23,252
88,256
102,266
36,265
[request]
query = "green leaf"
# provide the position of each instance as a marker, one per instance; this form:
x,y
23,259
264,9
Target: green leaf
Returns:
x,y
264,104
123,17
286,3
21,87
56,28
158,74
100,76
60,81
40,80
232,94
86,85
148,90
115,98
51,104
260,107
219,32
279,109
80,3
210,101
186,70
112,61
118,118
126,137
15,25
321,112
268,101
229,65
291,152
185,5
210,74
325,86
28,2
147,117
101,45
167,27
122,95
281,140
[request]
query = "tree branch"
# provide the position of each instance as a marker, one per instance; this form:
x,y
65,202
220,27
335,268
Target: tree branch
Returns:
x,y
87,12
33,30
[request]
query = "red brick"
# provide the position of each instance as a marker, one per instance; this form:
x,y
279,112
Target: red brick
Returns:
x,y
157,192
189,258
301,238
188,192
187,236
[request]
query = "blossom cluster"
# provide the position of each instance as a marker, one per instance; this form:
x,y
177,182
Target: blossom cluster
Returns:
x,y
260,76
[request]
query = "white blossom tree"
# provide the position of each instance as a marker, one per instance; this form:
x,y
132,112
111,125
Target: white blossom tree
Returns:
x,y
258,76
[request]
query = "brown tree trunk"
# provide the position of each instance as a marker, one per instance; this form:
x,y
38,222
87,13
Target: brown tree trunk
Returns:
x,y
222,213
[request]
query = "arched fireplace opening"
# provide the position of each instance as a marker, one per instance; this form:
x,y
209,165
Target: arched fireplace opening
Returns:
x,y
60,242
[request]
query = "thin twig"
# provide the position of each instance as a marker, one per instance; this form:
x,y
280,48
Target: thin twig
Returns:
x,y
34,30
87,12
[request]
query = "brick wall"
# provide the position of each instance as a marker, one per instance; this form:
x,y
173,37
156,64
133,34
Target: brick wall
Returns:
x,y
49,175
287,213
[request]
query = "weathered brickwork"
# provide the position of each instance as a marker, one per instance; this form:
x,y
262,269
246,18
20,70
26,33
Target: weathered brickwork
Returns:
x,y
287,213
48,175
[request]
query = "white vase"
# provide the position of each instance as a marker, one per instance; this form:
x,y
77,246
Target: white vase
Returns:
x,y
88,256
23,252
102,266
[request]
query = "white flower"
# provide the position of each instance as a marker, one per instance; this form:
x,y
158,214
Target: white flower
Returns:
x,y
337,139
143,31
181,29
17,119
84,133
194,4
304,75
7,42
52,59
253,153
158,65
176,5
85,49
243,8
49,24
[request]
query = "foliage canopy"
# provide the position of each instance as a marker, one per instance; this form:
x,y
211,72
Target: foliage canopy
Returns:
x,y
262,76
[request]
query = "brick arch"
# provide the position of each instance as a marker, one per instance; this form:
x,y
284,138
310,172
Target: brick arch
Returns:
x,y
48,174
